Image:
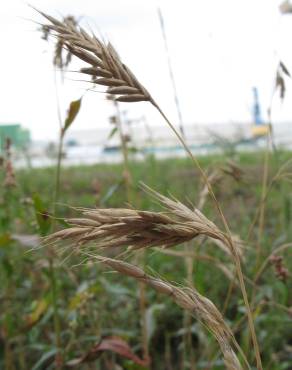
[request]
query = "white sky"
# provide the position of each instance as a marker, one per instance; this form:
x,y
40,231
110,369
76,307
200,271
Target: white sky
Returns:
x,y
219,51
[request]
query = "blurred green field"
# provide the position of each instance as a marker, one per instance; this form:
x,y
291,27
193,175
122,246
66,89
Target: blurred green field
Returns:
x,y
93,303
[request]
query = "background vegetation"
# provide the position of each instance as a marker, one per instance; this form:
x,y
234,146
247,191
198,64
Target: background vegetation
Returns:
x,y
93,306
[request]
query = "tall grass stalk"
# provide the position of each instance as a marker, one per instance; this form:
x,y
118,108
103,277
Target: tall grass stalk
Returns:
x,y
125,152
188,345
60,146
171,74
262,201
53,272
52,268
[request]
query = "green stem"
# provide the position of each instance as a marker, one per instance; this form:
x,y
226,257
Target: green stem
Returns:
x,y
262,202
54,287
58,171
127,173
57,326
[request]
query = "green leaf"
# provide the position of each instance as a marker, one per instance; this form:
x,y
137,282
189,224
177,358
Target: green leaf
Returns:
x,y
71,114
5,239
111,134
38,311
42,215
285,69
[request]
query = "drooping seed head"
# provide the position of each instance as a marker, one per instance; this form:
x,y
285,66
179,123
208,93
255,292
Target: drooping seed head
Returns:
x,y
139,229
103,62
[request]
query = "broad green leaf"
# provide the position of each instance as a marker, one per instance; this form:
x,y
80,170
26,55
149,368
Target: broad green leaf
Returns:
x,y
71,114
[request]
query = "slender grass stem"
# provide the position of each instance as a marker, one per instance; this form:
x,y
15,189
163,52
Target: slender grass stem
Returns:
x,y
127,173
57,326
263,203
231,287
52,269
58,172
187,317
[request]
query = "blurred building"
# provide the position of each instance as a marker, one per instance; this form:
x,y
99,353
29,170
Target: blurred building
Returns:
x,y
19,136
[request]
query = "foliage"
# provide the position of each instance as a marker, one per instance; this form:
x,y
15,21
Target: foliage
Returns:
x,y
95,306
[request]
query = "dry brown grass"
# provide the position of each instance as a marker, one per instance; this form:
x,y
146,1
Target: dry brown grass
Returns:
x,y
141,229
104,64
137,229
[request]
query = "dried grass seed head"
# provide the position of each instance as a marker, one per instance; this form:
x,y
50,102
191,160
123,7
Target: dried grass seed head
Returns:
x,y
104,64
139,229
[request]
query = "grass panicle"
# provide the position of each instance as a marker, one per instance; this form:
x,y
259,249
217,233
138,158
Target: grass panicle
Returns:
x,y
104,65
190,300
140,229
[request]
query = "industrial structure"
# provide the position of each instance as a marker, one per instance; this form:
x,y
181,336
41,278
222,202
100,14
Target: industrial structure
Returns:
x,y
19,136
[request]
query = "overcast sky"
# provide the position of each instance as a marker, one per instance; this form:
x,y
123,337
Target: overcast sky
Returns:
x,y
219,51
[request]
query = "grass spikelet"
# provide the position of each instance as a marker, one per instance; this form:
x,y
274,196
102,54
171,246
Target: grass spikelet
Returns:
x,y
105,66
140,229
